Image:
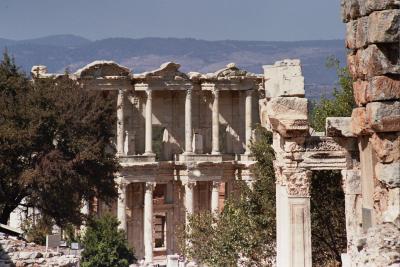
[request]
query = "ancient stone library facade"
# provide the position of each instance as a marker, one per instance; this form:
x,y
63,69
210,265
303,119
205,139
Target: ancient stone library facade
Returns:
x,y
183,139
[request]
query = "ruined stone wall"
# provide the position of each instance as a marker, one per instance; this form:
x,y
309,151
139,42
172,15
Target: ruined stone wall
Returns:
x,y
373,41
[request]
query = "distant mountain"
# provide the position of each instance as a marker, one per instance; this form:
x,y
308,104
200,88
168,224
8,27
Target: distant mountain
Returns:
x,y
68,51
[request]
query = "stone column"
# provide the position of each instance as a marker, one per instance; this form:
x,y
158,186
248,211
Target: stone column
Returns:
x,y
120,122
293,219
121,206
148,222
215,196
248,119
149,124
188,122
189,198
215,123
85,210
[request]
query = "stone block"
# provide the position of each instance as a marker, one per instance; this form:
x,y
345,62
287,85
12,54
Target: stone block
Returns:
x,y
288,115
284,78
360,88
351,182
383,116
339,127
383,26
383,88
375,60
362,32
392,214
350,10
351,30
386,146
358,121
389,174
368,6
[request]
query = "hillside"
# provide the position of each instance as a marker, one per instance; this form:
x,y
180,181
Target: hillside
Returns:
x,y
68,51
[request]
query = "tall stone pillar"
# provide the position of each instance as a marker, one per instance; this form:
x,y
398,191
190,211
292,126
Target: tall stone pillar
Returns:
x,y
121,206
248,119
215,123
148,222
215,197
149,124
189,198
188,122
85,210
293,219
120,122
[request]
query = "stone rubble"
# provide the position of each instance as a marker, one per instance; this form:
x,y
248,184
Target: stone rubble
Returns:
x,y
18,253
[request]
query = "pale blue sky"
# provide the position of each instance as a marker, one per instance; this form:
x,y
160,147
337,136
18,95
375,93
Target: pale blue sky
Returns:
x,y
270,20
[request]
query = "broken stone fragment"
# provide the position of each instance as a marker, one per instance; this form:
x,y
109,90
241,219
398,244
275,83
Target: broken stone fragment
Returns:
x,y
383,116
389,174
284,78
288,115
339,127
386,146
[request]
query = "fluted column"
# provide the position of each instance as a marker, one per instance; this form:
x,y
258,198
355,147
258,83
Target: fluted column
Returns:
x,y
215,197
121,206
188,122
120,122
148,222
248,119
215,123
149,124
189,199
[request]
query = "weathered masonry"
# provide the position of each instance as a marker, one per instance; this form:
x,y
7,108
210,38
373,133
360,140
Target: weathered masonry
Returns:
x,y
182,139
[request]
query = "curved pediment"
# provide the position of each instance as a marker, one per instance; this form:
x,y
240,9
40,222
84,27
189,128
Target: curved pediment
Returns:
x,y
102,69
167,71
231,70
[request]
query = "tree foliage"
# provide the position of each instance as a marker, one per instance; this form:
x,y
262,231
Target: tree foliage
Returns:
x,y
104,245
53,145
245,230
342,103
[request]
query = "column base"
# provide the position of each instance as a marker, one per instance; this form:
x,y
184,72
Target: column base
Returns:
x,y
186,153
149,154
215,153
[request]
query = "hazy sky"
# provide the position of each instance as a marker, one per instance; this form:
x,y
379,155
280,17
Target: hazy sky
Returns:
x,y
203,19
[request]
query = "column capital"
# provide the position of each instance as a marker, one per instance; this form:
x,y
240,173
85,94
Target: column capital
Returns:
x,y
215,92
298,183
149,93
249,92
150,186
189,184
215,184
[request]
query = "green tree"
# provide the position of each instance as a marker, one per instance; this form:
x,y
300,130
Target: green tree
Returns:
x,y
104,245
245,230
54,140
342,103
